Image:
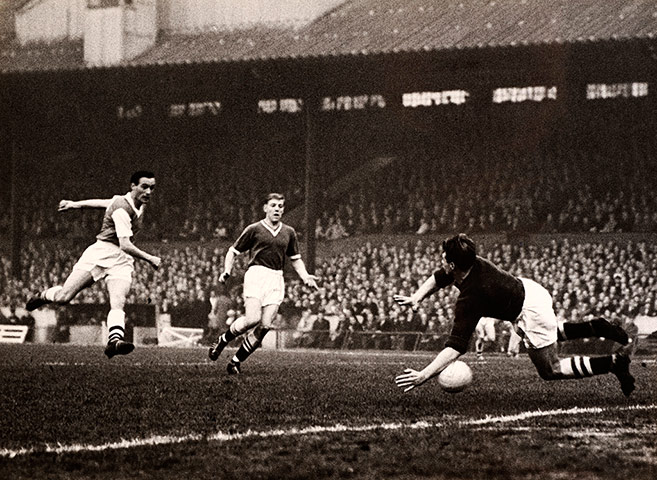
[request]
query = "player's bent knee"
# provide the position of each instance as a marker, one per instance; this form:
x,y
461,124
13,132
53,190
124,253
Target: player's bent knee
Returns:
x,y
243,324
260,331
549,371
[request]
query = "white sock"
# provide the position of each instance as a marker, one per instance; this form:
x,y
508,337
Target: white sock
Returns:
x,y
51,292
576,367
116,324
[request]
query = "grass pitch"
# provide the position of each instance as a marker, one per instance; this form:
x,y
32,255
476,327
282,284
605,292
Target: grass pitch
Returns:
x,y
69,413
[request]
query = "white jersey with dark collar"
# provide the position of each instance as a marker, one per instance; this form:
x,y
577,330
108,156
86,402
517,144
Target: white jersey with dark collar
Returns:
x,y
267,246
122,219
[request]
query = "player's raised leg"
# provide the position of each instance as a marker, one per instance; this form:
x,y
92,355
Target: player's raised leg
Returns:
x,y
598,327
76,281
550,367
118,289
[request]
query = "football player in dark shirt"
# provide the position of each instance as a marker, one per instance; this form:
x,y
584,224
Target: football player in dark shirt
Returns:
x,y
269,242
488,291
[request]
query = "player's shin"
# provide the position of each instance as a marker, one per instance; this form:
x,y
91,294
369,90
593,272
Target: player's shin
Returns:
x,y
582,366
228,336
116,345
115,325
250,344
237,328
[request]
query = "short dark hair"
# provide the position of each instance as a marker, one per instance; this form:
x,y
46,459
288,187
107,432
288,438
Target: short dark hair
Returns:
x,y
274,196
139,174
460,250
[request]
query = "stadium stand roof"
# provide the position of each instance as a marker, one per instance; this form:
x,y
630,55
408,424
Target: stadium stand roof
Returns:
x,y
363,27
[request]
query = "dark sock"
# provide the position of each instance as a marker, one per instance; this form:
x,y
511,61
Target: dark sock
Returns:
x,y
250,344
595,328
601,365
571,331
227,337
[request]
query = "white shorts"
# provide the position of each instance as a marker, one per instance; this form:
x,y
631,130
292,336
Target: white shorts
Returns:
x,y
537,323
265,284
106,260
485,329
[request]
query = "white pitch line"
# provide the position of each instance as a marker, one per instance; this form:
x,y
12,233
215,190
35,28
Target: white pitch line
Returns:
x,y
549,413
339,428
135,364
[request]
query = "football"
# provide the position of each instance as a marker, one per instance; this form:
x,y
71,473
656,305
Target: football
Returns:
x,y
455,377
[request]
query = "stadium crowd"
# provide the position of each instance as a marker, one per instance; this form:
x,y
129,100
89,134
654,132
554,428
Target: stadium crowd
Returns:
x,y
428,190
613,280
543,192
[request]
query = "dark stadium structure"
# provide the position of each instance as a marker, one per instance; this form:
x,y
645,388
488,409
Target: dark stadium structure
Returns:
x,y
367,76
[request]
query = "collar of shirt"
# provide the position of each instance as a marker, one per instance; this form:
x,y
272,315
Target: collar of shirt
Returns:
x,y
139,210
274,231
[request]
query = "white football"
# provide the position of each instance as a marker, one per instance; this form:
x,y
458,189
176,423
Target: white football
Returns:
x,y
455,377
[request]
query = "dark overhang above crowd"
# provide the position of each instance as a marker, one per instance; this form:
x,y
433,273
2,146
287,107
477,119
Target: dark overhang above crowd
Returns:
x,y
355,28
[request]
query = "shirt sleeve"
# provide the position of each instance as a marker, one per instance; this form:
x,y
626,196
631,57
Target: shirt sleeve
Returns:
x,y
293,247
466,317
442,278
245,240
122,223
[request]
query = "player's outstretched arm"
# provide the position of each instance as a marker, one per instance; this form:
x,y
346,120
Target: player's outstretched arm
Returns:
x,y
426,289
91,203
308,279
410,378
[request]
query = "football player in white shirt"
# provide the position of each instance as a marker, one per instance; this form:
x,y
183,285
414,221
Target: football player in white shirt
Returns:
x,y
111,257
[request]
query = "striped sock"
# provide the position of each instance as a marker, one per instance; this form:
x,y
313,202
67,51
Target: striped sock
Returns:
x,y
116,324
250,344
580,367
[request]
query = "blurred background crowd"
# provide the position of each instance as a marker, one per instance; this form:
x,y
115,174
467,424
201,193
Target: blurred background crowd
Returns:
x,y
587,280
204,200
426,191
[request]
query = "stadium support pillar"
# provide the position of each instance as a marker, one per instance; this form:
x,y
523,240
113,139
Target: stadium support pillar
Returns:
x,y
14,212
310,212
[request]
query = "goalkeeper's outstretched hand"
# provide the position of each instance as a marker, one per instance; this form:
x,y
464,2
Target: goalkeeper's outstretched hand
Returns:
x,y
409,379
405,301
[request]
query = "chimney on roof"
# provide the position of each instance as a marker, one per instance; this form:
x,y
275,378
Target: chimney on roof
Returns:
x,y
118,30
49,21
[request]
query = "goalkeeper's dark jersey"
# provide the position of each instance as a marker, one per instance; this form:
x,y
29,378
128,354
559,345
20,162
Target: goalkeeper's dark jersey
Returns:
x,y
487,291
